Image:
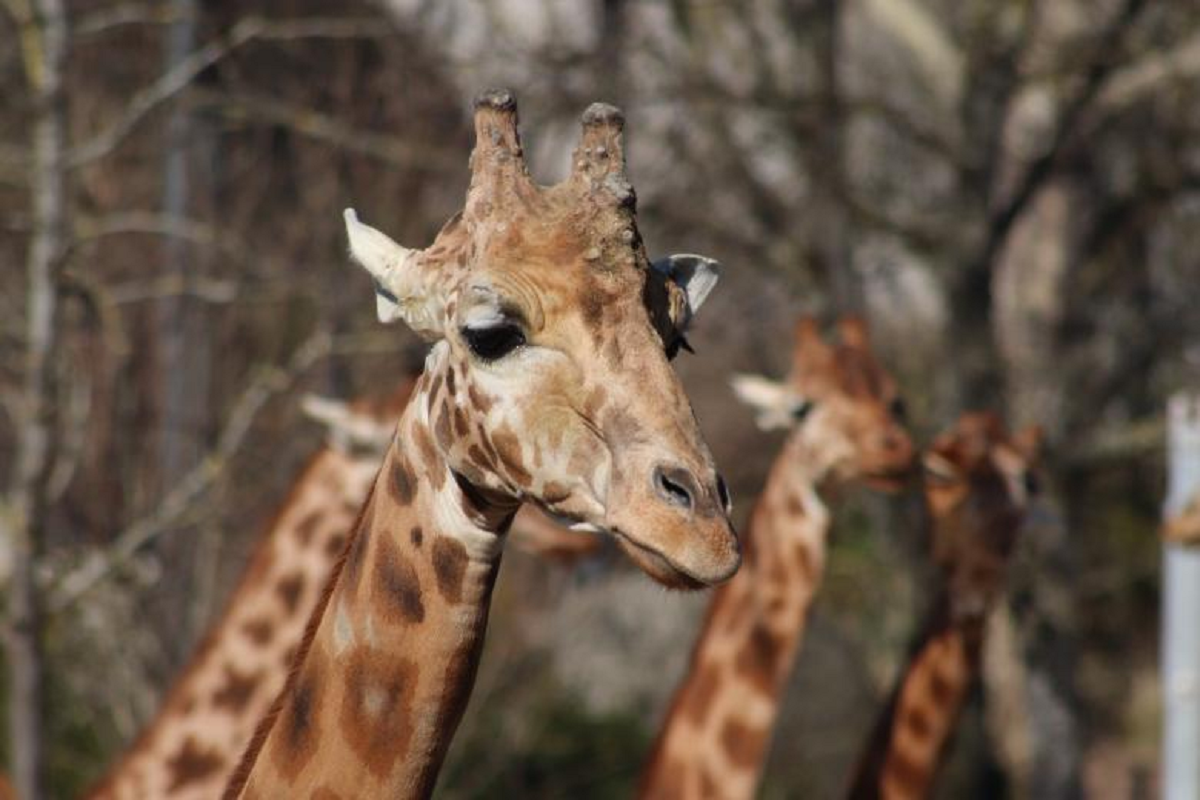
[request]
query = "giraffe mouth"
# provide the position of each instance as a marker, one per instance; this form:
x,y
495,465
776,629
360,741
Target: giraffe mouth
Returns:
x,y
888,479
656,564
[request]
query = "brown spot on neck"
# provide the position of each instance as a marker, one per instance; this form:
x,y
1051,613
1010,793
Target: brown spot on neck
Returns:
x,y
743,744
403,483
308,526
191,764
762,660
376,713
397,587
290,589
259,630
449,567
298,722
236,690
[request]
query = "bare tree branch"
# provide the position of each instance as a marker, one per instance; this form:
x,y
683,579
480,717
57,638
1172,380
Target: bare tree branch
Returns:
x,y
122,14
330,130
43,32
181,500
180,77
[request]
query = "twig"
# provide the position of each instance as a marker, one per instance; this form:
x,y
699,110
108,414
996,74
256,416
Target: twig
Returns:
x,y
324,128
181,499
123,14
177,79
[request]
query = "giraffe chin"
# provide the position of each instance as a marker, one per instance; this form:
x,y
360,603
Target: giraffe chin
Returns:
x,y
658,566
888,482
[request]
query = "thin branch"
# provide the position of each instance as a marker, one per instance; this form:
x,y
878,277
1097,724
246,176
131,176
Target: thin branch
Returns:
x,y
156,223
1102,64
215,291
123,14
1118,445
330,130
182,499
180,77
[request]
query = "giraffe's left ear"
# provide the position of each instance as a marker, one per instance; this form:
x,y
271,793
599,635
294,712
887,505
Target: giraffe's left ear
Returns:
x,y
400,285
771,400
346,427
695,276
1029,441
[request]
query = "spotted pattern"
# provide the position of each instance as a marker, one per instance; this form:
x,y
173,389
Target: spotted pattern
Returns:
x,y
397,586
191,764
449,567
376,715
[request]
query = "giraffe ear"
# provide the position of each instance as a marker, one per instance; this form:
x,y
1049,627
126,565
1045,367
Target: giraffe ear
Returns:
x,y
346,427
696,276
771,400
400,286
939,468
1029,441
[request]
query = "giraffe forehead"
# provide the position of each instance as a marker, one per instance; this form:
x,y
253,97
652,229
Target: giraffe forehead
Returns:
x,y
849,373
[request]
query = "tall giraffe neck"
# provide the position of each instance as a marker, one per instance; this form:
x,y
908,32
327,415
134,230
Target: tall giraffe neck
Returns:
x,y
911,735
189,749
386,669
715,736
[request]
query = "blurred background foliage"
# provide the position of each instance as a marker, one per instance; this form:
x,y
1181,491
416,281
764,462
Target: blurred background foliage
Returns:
x,y
1009,191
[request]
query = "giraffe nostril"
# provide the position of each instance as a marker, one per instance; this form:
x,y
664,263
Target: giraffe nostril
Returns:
x,y
723,495
675,486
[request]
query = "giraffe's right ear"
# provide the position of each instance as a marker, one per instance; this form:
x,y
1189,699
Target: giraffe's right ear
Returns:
x,y
771,400
696,277
400,285
939,468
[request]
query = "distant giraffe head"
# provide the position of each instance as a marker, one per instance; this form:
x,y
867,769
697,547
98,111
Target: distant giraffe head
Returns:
x,y
843,407
979,481
550,378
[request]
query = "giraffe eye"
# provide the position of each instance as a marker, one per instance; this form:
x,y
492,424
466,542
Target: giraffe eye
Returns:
x,y
494,341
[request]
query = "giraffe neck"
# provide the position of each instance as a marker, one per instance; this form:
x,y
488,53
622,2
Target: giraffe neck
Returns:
x,y
387,665
715,736
907,745
189,749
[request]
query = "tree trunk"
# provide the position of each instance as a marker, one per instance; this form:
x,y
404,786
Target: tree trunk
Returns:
x,y
44,45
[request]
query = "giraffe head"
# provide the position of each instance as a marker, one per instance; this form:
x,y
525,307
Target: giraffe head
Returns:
x,y
979,482
841,405
549,380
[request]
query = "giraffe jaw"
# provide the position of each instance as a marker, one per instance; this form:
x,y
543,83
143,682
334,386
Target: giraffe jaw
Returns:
x,y
658,566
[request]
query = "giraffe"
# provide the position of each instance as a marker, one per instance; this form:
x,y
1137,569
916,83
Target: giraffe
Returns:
x,y
978,484
188,750
845,417
548,381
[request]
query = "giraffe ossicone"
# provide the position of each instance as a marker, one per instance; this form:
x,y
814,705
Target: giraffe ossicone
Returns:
x,y
548,381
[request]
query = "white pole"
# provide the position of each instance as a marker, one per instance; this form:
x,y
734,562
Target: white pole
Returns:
x,y
1181,610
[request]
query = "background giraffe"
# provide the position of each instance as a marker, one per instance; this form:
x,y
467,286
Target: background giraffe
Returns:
x,y
978,485
845,414
191,746
189,749
549,382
